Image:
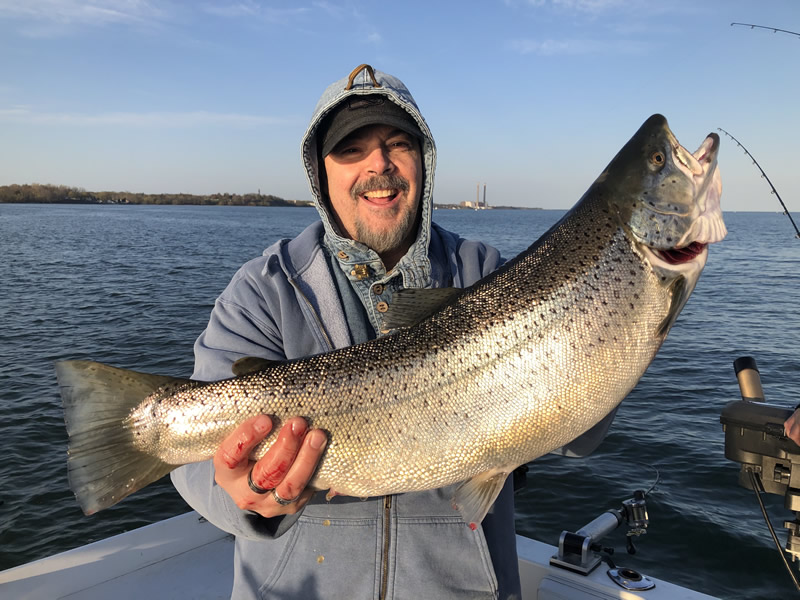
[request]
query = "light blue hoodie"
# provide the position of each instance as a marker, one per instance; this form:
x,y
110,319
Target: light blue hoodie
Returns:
x,y
295,301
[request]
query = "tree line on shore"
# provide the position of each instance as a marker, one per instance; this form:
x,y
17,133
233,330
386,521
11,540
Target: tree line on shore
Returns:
x,y
62,194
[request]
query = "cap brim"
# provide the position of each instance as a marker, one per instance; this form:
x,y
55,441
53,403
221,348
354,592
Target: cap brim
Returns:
x,y
342,126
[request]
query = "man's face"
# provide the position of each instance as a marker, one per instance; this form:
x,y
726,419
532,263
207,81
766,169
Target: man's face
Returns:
x,y
374,179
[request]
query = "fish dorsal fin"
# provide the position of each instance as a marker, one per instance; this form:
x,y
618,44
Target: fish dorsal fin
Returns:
x,y
251,364
412,305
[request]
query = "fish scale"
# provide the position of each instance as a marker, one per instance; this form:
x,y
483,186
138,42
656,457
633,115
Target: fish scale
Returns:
x,y
501,373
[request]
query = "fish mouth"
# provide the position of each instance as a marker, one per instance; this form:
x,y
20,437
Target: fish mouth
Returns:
x,y
679,256
696,164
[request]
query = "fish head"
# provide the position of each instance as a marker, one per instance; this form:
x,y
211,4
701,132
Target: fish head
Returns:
x,y
667,199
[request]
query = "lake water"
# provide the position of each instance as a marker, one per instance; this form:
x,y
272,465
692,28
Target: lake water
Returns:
x,y
133,286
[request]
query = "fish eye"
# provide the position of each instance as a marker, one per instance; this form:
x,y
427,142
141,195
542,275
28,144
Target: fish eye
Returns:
x,y
658,158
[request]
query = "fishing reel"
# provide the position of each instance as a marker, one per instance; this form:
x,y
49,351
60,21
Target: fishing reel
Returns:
x,y
582,552
754,437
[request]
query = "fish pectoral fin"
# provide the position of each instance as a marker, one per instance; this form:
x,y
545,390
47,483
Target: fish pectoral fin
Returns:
x,y
475,497
680,290
252,364
412,305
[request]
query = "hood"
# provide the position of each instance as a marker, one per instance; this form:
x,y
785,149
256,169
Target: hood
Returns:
x,y
365,80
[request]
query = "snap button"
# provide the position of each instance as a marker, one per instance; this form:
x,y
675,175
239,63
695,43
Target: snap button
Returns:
x,y
382,307
360,272
377,289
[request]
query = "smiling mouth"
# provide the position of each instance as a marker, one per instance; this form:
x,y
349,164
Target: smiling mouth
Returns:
x,y
382,196
677,256
380,189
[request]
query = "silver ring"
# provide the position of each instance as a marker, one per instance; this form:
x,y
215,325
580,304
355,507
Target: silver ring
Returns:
x,y
253,486
279,500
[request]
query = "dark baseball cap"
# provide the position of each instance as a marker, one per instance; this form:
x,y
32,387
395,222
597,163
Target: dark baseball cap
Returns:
x,y
357,111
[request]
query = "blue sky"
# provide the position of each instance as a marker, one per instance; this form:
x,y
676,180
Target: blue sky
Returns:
x,y
531,97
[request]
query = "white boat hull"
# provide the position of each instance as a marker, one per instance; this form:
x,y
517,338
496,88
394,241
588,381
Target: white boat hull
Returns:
x,y
187,557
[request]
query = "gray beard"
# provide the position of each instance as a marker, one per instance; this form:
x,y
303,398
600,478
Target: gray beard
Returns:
x,y
382,242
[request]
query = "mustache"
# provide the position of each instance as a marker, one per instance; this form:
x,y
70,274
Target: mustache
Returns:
x,y
379,182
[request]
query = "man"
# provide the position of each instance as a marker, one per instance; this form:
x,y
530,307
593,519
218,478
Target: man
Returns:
x,y
370,159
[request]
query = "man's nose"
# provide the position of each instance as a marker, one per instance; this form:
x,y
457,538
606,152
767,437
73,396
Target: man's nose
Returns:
x,y
379,162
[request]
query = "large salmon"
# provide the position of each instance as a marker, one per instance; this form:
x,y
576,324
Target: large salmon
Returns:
x,y
474,383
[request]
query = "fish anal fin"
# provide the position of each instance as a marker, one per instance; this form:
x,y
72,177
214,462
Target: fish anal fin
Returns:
x,y
475,497
412,305
251,364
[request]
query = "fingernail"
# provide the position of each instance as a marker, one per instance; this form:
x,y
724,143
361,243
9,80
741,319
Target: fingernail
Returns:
x,y
318,440
299,427
262,424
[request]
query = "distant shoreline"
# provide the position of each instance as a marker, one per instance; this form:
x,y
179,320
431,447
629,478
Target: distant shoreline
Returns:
x,y
36,193
58,194
202,202
460,207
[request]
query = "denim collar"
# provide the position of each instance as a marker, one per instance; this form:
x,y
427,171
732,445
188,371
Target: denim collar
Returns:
x,y
360,263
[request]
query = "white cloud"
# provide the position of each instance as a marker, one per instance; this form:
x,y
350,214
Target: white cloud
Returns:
x,y
251,9
553,47
41,18
86,12
588,6
591,6
24,115
53,18
625,9
332,9
232,9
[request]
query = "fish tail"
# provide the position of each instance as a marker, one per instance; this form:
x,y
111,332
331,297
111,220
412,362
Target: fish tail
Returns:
x,y
104,464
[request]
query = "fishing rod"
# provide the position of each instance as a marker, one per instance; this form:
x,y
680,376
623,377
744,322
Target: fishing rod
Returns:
x,y
764,175
774,29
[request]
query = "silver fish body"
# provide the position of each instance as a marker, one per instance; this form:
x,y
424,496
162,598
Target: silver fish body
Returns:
x,y
512,368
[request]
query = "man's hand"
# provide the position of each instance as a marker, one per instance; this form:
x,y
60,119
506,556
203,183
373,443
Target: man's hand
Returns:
x,y
792,427
286,468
